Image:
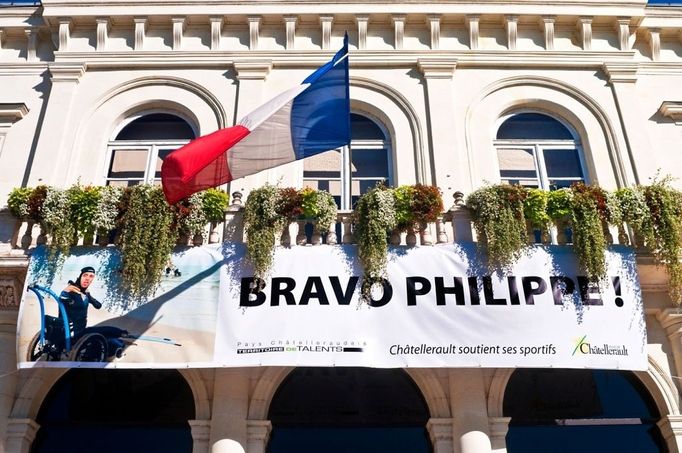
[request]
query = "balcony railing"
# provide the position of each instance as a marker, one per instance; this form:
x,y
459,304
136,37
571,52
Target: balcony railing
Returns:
x,y
455,225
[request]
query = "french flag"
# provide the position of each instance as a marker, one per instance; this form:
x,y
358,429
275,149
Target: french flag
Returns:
x,y
308,119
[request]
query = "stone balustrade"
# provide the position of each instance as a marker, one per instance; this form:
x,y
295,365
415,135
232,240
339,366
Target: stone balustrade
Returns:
x,y
455,225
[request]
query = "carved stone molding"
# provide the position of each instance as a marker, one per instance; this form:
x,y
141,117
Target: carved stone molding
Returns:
x,y
10,113
9,294
670,109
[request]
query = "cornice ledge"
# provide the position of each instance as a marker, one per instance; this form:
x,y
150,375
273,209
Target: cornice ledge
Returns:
x,y
623,72
672,110
437,68
67,72
252,69
10,113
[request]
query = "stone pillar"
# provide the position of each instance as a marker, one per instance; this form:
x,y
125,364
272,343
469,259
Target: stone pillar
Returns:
x,y
20,435
103,26
290,26
512,26
548,31
499,426
363,21
622,77
251,75
9,307
201,432
10,114
469,410
228,433
179,24
140,31
57,131
472,25
434,25
254,31
671,430
438,75
326,23
216,31
440,432
398,30
258,434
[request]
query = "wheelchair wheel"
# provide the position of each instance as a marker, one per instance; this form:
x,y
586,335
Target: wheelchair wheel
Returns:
x,y
91,347
37,352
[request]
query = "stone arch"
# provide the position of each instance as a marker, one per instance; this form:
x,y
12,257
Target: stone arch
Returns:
x,y
184,98
425,379
553,97
657,383
400,118
42,380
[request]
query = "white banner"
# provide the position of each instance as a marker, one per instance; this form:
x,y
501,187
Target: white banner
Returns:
x,y
440,308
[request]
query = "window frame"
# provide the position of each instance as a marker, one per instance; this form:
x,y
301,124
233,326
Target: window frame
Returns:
x,y
152,147
539,147
346,171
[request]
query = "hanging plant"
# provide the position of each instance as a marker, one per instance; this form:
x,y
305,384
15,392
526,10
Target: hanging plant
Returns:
x,y
404,217
17,202
592,208
107,210
498,215
560,205
375,216
319,205
263,224
427,203
190,216
289,203
56,213
84,202
35,203
655,214
147,237
535,208
214,204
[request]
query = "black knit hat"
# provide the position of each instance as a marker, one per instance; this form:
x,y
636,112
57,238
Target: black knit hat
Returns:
x,y
87,269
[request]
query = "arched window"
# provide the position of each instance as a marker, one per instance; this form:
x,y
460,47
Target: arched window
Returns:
x,y
138,150
347,172
116,410
360,410
580,411
536,150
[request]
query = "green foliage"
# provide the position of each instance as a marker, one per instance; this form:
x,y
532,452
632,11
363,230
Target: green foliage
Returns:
x,y
375,216
190,216
35,203
404,217
320,205
56,215
559,205
498,215
146,238
590,209
84,202
263,224
107,210
18,202
535,208
662,234
214,203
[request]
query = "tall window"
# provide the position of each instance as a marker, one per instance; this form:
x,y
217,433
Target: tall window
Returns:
x,y
347,172
536,150
137,152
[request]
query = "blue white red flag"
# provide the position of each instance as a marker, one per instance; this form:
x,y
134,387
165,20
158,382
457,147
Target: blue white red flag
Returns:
x,y
308,119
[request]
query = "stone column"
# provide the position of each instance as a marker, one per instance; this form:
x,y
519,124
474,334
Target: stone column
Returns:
x,y
228,433
469,411
56,133
440,432
499,426
258,434
671,430
20,434
438,73
9,307
623,77
251,75
201,432
10,114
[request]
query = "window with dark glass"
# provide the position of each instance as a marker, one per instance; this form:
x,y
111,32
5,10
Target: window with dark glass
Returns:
x,y
348,172
138,150
536,150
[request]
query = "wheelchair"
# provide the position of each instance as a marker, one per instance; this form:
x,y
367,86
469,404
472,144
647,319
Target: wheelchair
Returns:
x,y
55,341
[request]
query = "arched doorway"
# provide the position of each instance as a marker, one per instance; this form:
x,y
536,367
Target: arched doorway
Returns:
x,y
116,411
348,409
580,410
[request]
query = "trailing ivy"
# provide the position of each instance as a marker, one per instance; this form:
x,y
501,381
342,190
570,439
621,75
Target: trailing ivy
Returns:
x,y
375,216
498,215
18,202
84,202
146,238
56,213
214,204
589,205
107,210
263,224
319,205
